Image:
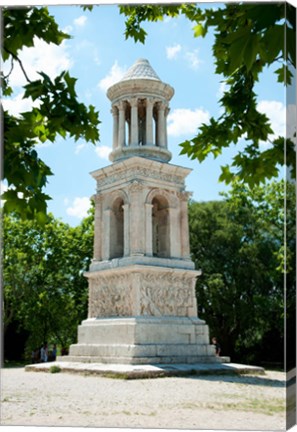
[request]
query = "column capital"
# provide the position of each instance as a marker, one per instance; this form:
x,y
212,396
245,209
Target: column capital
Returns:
x,y
97,198
135,186
133,101
114,110
150,101
121,105
184,195
162,105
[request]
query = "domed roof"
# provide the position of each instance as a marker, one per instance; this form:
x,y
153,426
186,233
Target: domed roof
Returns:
x,y
139,70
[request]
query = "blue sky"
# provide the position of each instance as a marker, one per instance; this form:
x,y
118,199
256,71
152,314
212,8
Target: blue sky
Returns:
x,y
98,55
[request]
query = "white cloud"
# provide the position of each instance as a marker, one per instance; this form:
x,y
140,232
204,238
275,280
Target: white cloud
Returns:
x,y
291,121
184,121
193,59
276,112
68,29
190,57
115,74
80,21
103,151
49,58
172,51
79,207
224,87
3,188
89,47
17,104
79,148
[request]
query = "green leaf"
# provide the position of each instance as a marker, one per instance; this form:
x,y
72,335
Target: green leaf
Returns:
x,y
199,30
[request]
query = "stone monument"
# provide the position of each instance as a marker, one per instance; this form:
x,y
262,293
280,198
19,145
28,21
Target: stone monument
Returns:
x,y
142,305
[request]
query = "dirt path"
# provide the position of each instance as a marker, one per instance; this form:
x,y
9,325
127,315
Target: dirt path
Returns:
x,y
212,402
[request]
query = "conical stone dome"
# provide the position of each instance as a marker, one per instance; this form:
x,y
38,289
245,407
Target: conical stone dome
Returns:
x,y
140,104
141,69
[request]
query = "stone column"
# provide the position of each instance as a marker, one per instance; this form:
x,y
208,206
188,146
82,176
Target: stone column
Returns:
x,y
184,225
115,114
106,239
134,122
137,232
174,232
166,137
161,124
98,228
121,136
148,230
126,229
149,121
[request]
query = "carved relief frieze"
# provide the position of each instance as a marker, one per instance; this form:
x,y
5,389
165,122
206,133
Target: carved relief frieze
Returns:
x,y
184,195
140,171
135,186
110,296
165,294
146,293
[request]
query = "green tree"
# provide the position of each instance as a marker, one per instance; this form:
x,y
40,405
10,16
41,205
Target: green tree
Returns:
x,y
249,38
58,113
239,244
44,290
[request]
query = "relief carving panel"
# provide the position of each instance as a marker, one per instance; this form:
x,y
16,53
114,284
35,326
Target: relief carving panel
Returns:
x,y
140,171
166,294
143,293
110,296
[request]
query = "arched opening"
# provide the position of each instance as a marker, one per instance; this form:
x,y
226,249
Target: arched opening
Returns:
x,y
141,122
160,227
117,229
155,125
128,124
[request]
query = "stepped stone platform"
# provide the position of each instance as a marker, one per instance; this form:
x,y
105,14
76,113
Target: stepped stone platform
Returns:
x,y
129,371
143,340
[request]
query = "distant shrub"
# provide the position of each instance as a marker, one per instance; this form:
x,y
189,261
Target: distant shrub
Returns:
x,y
55,369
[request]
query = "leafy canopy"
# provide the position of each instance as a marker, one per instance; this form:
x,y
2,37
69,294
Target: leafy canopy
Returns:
x,y
58,113
44,289
245,246
248,39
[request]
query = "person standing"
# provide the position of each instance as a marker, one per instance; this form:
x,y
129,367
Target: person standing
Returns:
x,y
44,353
54,352
217,346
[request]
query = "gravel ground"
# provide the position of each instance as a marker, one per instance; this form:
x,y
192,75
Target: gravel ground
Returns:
x,y
205,402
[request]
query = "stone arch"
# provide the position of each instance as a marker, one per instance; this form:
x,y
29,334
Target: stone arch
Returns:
x,y
170,197
117,229
114,204
160,227
111,197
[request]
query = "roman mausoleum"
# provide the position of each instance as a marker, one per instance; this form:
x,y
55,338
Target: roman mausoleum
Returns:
x,y
142,304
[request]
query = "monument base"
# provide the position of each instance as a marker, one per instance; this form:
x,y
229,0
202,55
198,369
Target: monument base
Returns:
x,y
143,340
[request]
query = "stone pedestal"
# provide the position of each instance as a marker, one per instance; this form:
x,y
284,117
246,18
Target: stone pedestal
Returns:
x,y
142,314
141,290
143,340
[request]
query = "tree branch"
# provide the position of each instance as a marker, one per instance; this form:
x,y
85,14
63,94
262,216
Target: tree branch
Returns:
x,y
15,57
11,69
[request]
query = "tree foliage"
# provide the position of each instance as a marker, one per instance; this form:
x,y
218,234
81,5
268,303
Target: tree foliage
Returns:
x,y
245,246
44,290
58,113
249,38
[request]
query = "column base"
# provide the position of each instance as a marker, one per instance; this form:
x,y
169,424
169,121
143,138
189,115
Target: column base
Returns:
x,y
143,340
